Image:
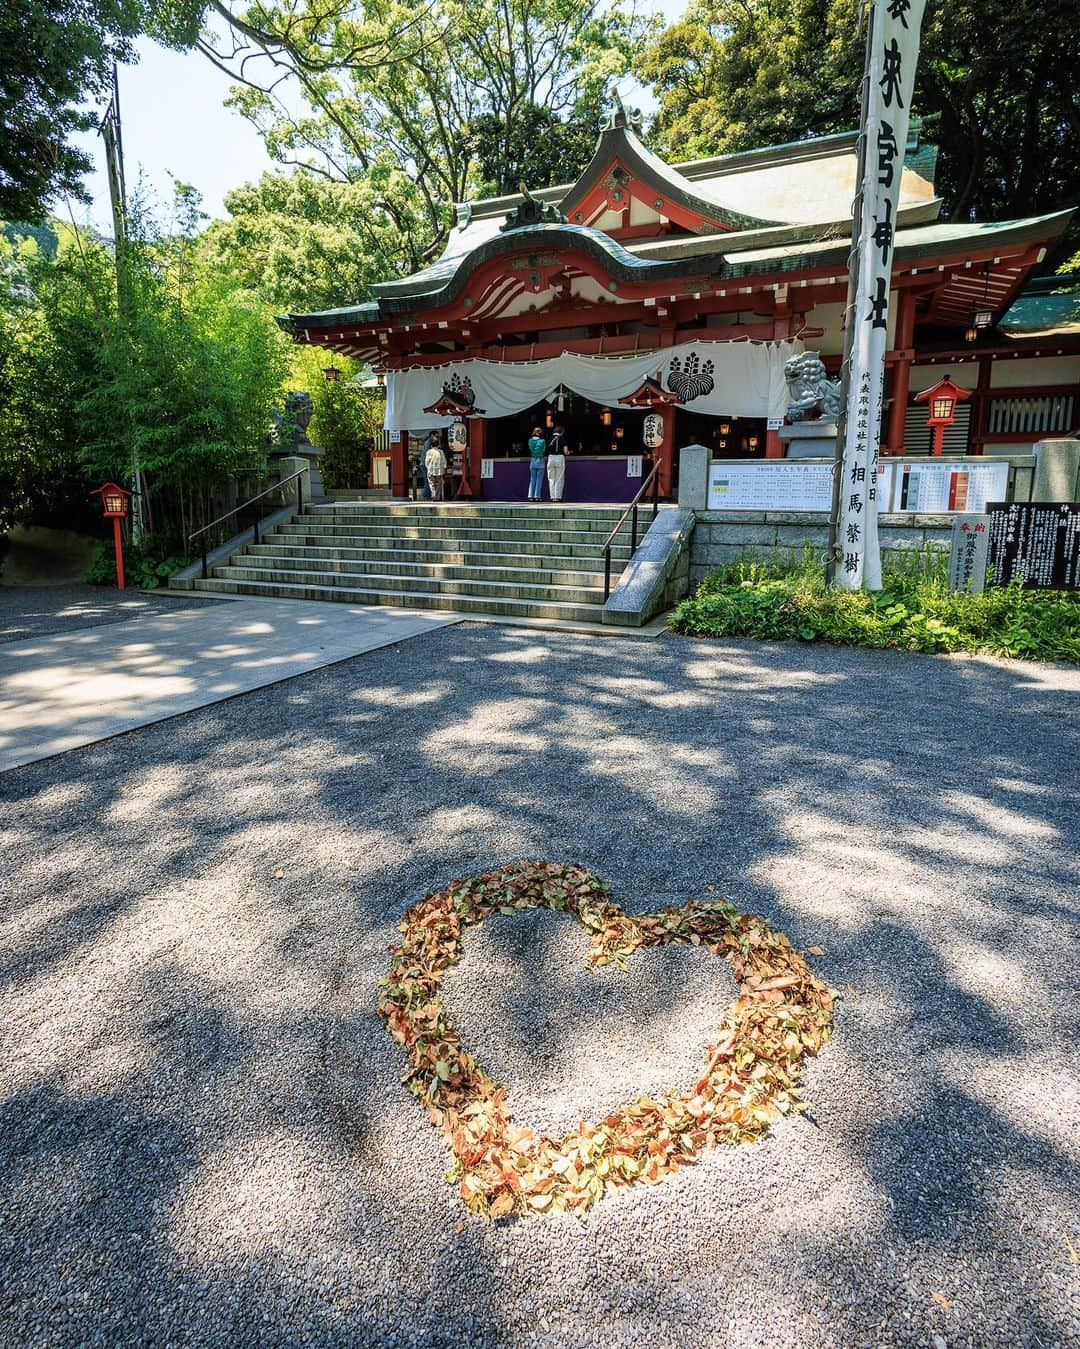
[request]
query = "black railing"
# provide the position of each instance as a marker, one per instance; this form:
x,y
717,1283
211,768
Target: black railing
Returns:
x,y
653,479
202,533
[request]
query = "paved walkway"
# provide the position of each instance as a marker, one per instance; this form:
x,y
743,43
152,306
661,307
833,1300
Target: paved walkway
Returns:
x,y
66,689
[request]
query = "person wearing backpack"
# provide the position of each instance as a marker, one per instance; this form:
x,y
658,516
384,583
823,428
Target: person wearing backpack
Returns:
x,y
537,453
556,462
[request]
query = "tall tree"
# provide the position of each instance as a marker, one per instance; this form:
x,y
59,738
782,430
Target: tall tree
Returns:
x,y
186,377
340,86
304,242
998,77
57,57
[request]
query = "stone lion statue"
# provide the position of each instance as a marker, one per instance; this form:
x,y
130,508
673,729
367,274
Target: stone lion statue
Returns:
x,y
814,395
290,423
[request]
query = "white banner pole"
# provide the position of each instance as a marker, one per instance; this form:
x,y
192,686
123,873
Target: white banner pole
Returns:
x,y
892,54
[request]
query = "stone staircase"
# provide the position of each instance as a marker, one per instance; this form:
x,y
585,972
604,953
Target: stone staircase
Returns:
x,y
539,561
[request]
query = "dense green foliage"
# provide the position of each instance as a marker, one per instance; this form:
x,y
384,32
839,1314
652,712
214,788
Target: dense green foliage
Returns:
x,y
915,610
998,79
56,56
347,416
304,242
179,379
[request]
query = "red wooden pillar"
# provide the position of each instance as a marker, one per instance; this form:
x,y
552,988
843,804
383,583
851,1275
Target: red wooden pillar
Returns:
x,y
980,413
399,465
901,371
666,454
477,451
781,329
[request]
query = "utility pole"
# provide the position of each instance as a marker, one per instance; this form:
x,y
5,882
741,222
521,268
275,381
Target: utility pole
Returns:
x,y
114,165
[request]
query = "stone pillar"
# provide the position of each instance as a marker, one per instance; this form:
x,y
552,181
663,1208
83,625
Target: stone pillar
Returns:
x,y
694,477
901,370
399,465
287,466
1057,471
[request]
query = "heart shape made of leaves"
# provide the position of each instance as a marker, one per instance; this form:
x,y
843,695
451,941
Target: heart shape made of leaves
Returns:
x,y
749,1078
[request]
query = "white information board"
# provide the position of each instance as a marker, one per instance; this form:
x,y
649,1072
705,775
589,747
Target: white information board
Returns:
x,y
633,465
799,485
770,485
941,488
487,468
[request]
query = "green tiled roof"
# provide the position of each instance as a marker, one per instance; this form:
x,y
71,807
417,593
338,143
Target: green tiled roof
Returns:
x,y
1049,304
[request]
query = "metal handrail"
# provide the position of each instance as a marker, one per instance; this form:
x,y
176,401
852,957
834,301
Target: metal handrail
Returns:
x,y
250,501
653,476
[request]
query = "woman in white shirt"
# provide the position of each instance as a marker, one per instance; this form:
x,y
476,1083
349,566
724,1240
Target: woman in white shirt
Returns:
x,y
435,463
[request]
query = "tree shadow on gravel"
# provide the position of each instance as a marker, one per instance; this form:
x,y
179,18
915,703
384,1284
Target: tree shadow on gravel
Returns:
x,y
912,816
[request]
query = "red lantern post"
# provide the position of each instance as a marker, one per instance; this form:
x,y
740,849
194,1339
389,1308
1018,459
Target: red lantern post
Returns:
x,y
943,398
114,501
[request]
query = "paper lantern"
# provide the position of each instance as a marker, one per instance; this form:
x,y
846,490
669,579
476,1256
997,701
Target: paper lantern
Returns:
x,y
652,430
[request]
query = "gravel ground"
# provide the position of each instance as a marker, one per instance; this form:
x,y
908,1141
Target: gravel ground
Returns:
x,y
203,1136
33,611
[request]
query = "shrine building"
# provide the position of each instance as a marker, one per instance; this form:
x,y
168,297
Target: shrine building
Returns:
x,y
650,306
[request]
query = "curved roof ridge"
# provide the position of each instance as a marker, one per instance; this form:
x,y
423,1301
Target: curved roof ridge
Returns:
x,y
621,143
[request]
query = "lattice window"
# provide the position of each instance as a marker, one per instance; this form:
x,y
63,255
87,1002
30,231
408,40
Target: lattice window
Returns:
x,y
1032,415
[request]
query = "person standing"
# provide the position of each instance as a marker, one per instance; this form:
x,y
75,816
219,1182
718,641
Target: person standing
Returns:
x,y
435,463
432,438
556,462
537,452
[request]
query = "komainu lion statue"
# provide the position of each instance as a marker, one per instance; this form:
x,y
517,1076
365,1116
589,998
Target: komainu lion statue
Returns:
x,y
813,395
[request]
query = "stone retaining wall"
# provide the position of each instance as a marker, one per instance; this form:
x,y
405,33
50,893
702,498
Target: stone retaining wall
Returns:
x,y
730,536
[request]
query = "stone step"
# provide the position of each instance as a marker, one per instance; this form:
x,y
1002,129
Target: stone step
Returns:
x,y
490,519
578,556
406,599
455,511
396,566
472,533
493,590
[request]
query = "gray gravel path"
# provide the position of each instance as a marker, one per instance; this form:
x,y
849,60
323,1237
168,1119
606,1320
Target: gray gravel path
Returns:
x,y
203,1137
32,611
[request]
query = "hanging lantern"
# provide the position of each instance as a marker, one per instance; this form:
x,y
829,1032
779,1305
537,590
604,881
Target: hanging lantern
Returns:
x,y
752,442
331,374
620,431
725,428
982,318
459,436
652,430
549,420
605,416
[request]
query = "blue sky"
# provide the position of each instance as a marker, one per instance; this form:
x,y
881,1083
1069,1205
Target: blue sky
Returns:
x,y
175,121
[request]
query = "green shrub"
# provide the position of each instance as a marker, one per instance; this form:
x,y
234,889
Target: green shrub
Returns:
x,y
915,611
143,570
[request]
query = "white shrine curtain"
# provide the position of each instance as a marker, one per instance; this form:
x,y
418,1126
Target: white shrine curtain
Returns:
x,y
743,379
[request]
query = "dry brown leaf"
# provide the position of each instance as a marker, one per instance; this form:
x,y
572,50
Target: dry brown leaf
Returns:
x,y
814,951
749,1078
278,874
942,1301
